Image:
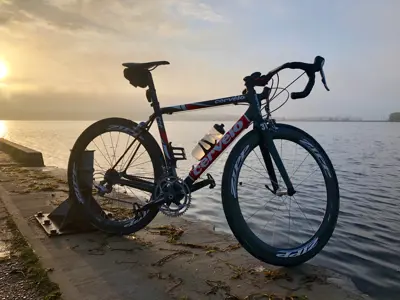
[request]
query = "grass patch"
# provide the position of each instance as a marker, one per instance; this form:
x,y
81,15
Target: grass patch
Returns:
x,y
32,268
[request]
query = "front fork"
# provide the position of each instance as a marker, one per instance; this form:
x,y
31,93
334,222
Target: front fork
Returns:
x,y
269,150
267,146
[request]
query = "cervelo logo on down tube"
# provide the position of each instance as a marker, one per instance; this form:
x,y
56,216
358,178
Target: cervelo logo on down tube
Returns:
x,y
220,146
230,99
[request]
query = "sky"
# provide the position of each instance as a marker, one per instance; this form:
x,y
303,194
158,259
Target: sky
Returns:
x,y
64,56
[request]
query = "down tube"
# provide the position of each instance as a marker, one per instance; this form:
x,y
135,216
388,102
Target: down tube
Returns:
x,y
242,124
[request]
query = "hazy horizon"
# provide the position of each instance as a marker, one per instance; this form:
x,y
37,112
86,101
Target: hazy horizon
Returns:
x,y
61,59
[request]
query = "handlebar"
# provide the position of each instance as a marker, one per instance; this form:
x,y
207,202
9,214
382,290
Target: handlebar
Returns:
x,y
310,69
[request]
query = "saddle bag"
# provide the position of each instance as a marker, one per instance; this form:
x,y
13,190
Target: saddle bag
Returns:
x,y
137,77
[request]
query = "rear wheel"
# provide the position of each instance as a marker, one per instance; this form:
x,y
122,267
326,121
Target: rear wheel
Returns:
x,y
256,215
109,139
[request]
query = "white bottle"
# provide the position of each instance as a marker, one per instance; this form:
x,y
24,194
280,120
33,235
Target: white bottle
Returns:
x,y
208,141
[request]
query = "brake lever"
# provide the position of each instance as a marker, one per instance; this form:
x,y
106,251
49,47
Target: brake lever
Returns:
x,y
323,79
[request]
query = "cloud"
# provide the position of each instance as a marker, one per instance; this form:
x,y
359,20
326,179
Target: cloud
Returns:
x,y
76,47
200,11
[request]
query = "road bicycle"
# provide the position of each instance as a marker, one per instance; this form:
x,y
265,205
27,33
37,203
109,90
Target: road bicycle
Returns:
x,y
170,194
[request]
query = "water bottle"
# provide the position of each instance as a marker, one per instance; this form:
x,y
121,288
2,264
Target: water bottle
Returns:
x,y
208,141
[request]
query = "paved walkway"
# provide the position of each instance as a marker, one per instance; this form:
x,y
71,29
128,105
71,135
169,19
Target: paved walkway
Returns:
x,y
171,259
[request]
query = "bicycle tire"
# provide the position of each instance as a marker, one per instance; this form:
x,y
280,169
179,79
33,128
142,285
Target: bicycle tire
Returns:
x,y
91,132
240,229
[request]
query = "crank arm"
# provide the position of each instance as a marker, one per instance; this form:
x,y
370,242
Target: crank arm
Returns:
x,y
199,185
151,204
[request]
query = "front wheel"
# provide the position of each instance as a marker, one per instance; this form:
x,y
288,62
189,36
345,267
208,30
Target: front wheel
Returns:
x,y
256,215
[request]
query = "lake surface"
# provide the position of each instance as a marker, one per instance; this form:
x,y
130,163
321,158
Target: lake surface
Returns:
x,y
366,243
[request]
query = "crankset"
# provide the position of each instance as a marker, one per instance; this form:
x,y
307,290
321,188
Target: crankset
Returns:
x,y
172,197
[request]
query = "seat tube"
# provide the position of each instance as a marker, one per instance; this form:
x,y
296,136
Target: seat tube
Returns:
x,y
166,148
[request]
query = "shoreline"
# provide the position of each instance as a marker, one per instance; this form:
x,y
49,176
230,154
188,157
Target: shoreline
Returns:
x,y
211,119
168,235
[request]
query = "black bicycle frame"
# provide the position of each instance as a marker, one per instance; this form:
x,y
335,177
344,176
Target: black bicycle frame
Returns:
x,y
252,115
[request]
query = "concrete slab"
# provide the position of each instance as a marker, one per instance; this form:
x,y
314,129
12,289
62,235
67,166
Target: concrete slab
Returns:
x,y
145,265
24,155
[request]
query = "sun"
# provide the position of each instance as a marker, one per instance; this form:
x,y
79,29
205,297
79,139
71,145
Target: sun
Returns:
x,y
3,70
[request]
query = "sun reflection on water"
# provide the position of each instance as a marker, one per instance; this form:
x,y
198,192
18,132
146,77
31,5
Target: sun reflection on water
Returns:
x,y
3,129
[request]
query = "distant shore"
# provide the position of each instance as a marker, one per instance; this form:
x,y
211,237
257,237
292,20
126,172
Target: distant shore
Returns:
x,y
209,119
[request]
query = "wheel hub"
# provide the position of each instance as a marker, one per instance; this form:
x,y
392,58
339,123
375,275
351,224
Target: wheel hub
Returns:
x,y
110,178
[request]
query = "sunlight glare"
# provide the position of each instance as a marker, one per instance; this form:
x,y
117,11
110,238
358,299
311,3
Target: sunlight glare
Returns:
x,y
3,129
3,70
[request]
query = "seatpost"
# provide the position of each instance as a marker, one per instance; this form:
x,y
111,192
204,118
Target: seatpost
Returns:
x,y
152,90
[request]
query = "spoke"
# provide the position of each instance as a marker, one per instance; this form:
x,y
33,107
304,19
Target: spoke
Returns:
x,y
252,185
144,192
255,170
146,162
293,220
101,152
123,158
116,146
266,223
112,143
294,159
312,228
118,200
265,205
144,151
134,194
101,136
281,179
260,173
132,155
265,168
307,195
306,178
301,163
96,163
266,171
290,199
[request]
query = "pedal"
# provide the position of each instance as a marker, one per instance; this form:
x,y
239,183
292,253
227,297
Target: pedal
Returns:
x,y
212,181
178,152
201,184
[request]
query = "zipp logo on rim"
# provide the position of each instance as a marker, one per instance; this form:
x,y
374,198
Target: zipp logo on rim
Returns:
x,y
298,251
318,156
236,168
131,131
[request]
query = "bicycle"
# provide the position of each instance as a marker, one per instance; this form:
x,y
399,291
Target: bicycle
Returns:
x,y
172,195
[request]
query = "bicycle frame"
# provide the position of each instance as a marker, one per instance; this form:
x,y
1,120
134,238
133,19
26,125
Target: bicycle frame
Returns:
x,y
242,124
251,116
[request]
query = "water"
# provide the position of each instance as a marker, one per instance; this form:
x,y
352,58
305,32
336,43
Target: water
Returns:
x,y
365,245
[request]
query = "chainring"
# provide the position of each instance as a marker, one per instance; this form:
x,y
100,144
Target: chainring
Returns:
x,y
168,186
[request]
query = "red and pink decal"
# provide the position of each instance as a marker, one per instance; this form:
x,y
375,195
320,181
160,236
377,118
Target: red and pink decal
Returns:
x,y
222,144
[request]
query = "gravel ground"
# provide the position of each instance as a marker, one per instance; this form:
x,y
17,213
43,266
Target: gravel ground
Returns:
x,y
13,284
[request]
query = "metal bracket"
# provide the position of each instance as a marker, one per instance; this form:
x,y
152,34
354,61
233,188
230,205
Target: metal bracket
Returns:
x,y
69,217
178,152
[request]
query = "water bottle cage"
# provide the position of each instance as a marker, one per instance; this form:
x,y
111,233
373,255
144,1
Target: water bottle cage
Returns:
x,y
178,152
208,143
